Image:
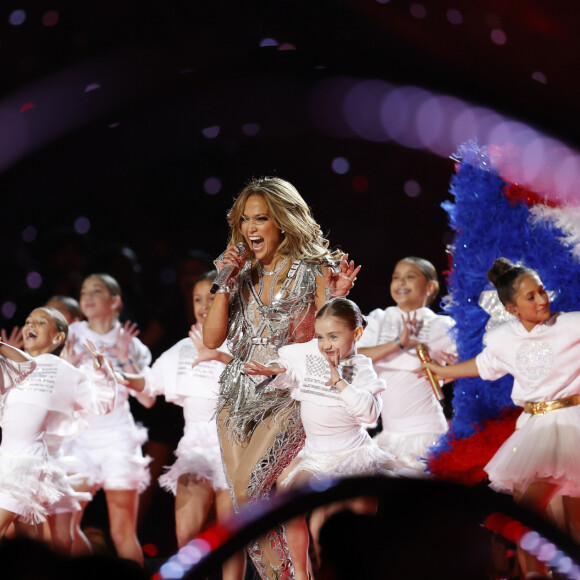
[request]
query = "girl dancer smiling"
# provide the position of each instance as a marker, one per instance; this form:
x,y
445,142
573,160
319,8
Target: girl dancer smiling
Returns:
x,y
541,350
110,447
412,417
339,393
38,414
64,392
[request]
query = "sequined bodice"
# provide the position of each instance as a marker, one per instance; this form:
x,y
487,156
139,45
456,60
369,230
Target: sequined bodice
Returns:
x,y
258,330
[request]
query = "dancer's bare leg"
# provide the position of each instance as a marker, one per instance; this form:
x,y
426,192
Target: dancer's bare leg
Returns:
x,y
193,501
235,567
122,505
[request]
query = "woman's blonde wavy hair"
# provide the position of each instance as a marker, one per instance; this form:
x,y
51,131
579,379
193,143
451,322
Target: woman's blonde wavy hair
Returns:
x,y
302,238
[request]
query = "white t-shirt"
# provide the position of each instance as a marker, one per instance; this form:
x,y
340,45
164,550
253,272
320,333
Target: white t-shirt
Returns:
x,y
324,409
545,362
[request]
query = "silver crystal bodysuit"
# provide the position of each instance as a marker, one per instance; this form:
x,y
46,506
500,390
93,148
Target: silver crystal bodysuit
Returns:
x,y
256,332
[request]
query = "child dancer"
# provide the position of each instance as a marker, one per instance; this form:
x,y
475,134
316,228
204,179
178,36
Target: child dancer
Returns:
x,y
542,351
339,392
412,417
187,374
62,391
39,411
110,447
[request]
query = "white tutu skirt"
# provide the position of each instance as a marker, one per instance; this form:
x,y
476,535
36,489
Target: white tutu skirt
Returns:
x,y
349,454
112,459
542,447
198,455
31,485
410,449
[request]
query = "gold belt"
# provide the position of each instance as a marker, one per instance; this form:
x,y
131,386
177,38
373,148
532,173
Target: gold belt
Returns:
x,y
543,407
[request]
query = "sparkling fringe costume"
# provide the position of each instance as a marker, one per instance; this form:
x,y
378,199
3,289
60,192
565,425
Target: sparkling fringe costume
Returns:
x,y
196,390
545,367
413,419
256,332
337,444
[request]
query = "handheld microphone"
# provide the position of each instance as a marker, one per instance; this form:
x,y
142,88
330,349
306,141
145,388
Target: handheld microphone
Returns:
x,y
226,272
423,354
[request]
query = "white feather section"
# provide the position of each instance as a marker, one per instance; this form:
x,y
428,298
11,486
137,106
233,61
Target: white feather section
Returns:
x,y
567,219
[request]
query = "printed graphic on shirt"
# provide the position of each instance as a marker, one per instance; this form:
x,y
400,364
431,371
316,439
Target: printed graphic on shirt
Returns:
x,y
318,374
535,359
42,380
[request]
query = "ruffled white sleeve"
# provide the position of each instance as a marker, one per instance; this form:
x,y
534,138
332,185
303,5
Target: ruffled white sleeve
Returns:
x,y
97,390
361,397
14,372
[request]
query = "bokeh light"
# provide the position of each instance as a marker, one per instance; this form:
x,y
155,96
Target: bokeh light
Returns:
x,y
29,234
412,188
418,11
8,309
340,165
454,16
33,280
212,185
250,129
50,18
360,183
92,87
498,36
17,17
268,42
540,77
82,225
211,132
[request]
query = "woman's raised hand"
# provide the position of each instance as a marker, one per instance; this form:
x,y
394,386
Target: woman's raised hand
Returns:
x,y
340,281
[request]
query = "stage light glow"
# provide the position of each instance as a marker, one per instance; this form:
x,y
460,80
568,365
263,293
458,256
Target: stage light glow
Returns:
x,y
82,225
546,552
33,280
50,18
286,46
211,132
340,165
412,188
17,17
498,36
360,183
361,108
29,234
540,77
172,570
454,16
27,107
212,185
268,42
251,129
92,87
418,11
8,309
